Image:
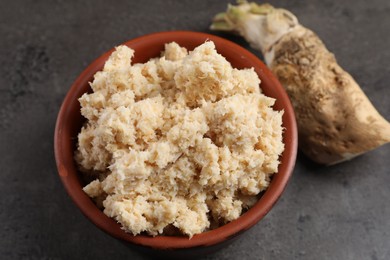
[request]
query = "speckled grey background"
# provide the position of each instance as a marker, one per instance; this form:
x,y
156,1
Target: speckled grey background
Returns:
x,y
340,212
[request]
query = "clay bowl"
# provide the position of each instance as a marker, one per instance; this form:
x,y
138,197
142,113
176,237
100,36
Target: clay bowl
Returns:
x,y
69,123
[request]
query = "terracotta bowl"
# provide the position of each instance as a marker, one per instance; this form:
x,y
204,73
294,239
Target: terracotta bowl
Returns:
x,y
69,123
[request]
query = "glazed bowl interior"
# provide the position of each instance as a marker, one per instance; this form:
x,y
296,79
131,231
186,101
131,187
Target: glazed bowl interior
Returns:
x,y
69,123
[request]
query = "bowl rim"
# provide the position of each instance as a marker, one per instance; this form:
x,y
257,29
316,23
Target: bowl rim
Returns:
x,y
208,238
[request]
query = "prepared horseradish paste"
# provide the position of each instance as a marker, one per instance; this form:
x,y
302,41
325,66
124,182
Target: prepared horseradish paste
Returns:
x,y
184,140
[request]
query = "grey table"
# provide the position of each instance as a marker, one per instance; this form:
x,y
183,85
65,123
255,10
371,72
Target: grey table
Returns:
x,y
339,212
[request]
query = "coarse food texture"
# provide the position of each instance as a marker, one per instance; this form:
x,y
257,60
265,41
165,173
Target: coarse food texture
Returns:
x,y
184,140
336,120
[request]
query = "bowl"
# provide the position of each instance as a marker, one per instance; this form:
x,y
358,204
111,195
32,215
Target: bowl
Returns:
x,y
69,123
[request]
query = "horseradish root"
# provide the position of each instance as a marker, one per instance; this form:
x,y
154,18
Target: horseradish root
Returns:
x,y
336,121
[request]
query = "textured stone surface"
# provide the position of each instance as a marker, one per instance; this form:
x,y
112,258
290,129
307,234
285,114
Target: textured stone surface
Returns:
x,y
339,212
